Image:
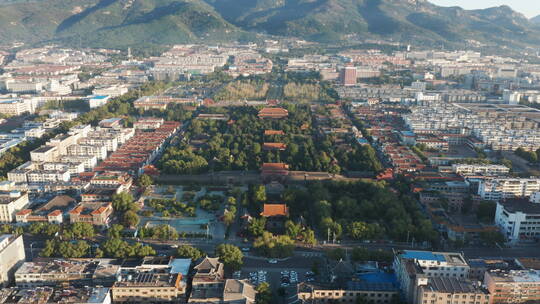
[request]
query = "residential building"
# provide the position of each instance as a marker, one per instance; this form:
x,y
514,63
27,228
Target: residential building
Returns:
x,y
414,268
496,189
474,169
444,290
377,293
44,154
95,101
11,256
513,286
10,204
15,107
347,76
518,219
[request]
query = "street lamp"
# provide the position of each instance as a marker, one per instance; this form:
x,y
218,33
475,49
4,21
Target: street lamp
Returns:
x,y
32,250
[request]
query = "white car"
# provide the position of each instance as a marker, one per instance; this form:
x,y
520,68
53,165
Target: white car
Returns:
x,y
272,261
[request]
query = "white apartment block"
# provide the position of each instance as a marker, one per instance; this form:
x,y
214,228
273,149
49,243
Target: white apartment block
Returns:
x,y
12,256
518,219
14,107
493,170
73,168
10,203
25,87
111,143
496,189
44,154
100,152
46,176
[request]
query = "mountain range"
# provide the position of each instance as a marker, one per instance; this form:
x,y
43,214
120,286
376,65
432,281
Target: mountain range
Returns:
x,y
121,23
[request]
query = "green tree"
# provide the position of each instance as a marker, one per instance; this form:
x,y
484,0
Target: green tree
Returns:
x,y
186,251
259,194
264,294
130,219
231,256
123,202
115,231
145,180
257,226
293,230
79,231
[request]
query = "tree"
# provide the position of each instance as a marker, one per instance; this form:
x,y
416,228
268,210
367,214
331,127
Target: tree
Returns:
x,y
486,211
231,256
145,180
492,238
274,246
115,231
79,230
264,294
256,226
123,202
259,194
130,219
186,251
293,230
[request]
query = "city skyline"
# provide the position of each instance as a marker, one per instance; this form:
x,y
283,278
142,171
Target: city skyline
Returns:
x,y
526,7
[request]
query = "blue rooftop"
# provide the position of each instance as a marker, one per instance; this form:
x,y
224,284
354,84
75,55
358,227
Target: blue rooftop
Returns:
x,y
180,266
378,277
10,100
422,255
99,97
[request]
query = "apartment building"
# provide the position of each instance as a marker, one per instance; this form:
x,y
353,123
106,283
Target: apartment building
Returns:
x,y
513,286
12,256
352,292
10,204
115,180
518,219
414,268
496,189
474,169
100,152
44,154
47,176
443,290
15,107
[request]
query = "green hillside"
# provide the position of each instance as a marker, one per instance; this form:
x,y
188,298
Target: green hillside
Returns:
x,y
121,23
114,23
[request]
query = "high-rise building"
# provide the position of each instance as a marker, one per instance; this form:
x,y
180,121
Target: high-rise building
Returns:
x,y
12,256
347,76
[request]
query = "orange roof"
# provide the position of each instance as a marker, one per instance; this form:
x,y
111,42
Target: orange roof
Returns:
x,y
274,132
273,112
77,210
24,212
55,213
272,146
99,210
275,166
275,210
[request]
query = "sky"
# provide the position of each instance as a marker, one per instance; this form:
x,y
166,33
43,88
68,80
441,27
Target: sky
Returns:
x,y
529,8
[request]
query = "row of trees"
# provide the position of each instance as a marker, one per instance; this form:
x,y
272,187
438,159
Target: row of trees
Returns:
x,y
364,210
530,156
243,89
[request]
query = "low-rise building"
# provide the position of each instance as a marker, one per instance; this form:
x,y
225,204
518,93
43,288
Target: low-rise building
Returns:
x,y
94,213
50,295
207,281
414,268
52,212
473,169
371,293
443,290
513,286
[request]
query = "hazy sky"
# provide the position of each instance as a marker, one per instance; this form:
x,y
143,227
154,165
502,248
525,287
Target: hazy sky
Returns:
x,y
529,8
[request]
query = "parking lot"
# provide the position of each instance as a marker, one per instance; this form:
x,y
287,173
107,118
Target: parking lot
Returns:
x,y
279,273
